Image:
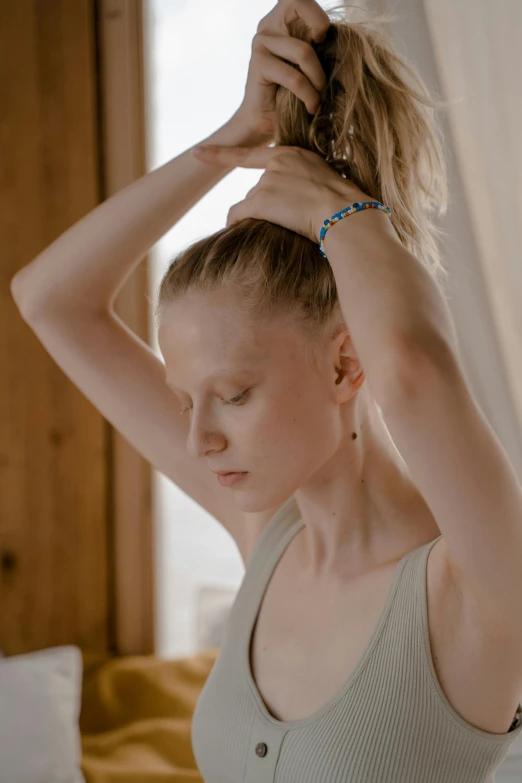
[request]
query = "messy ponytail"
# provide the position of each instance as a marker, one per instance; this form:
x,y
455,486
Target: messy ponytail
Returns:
x,y
376,126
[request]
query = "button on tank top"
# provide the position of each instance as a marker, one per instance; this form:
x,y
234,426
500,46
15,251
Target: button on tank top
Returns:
x,y
389,723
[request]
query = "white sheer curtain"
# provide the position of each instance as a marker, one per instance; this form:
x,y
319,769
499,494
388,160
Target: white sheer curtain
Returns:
x,y
468,52
477,46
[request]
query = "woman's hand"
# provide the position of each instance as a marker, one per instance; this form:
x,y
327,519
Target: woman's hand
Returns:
x,y
267,70
299,190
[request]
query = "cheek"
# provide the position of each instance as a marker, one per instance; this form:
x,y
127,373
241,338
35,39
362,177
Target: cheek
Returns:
x,y
289,424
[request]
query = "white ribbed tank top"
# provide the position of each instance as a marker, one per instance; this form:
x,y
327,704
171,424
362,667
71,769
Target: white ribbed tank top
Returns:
x,y
389,723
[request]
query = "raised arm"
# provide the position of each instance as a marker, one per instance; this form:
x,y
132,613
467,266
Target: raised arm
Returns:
x,y
88,264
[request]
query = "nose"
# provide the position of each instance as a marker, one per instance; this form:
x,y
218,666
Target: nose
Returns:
x,y
202,438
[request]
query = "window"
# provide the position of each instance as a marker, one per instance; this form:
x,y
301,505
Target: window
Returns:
x,y
197,55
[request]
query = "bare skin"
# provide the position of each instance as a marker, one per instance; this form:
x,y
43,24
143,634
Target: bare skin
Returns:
x,y
313,431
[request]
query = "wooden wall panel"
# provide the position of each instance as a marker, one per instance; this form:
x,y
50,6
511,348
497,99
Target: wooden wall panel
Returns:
x,y
121,38
54,445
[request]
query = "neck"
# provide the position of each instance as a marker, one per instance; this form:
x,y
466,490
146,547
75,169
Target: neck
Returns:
x,y
362,511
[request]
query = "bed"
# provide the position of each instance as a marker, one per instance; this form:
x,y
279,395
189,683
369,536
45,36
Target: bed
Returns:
x,y
136,718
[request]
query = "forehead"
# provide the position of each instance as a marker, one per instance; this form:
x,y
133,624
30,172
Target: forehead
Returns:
x,y
212,325
203,335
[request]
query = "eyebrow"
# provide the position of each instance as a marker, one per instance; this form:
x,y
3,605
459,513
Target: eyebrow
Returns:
x,y
219,374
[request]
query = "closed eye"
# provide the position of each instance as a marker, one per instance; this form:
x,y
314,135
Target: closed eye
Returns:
x,y
233,401
239,398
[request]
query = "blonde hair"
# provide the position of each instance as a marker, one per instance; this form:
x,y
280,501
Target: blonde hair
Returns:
x,y
376,126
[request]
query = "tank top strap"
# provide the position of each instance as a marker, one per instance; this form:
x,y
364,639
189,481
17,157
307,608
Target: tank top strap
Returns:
x,y
272,534
418,562
411,594
405,620
269,545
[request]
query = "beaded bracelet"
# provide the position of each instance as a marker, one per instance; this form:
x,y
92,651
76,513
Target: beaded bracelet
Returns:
x,y
357,207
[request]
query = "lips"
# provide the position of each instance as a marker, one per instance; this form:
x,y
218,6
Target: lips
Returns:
x,y
228,479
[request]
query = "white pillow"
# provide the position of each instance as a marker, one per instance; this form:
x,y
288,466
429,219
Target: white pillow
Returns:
x,y
40,702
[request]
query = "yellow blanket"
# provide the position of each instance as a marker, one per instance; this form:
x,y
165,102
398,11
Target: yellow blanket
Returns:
x,y
136,717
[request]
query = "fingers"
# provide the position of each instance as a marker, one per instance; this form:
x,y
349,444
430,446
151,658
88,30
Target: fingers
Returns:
x,y
298,52
243,157
286,11
313,16
274,70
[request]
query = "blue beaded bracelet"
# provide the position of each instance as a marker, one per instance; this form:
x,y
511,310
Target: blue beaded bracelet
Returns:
x,y
357,207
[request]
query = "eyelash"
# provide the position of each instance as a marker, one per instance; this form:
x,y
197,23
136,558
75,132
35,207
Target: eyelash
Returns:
x,y
233,401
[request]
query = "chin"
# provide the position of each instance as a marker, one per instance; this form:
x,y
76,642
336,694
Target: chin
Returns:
x,y
252,504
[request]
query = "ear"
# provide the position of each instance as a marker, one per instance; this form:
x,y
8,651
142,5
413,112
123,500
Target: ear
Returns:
x,y
349,372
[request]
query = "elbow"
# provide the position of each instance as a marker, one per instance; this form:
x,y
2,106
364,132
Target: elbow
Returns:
x,y
19,292
23,296
16,289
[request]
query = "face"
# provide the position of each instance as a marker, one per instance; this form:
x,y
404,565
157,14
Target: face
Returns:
x,y
254,403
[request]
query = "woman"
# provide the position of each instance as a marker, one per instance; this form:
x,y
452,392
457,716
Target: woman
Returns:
x,y
377,633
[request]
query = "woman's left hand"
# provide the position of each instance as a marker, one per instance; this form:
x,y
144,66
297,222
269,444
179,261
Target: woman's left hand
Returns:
x,y
298,190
